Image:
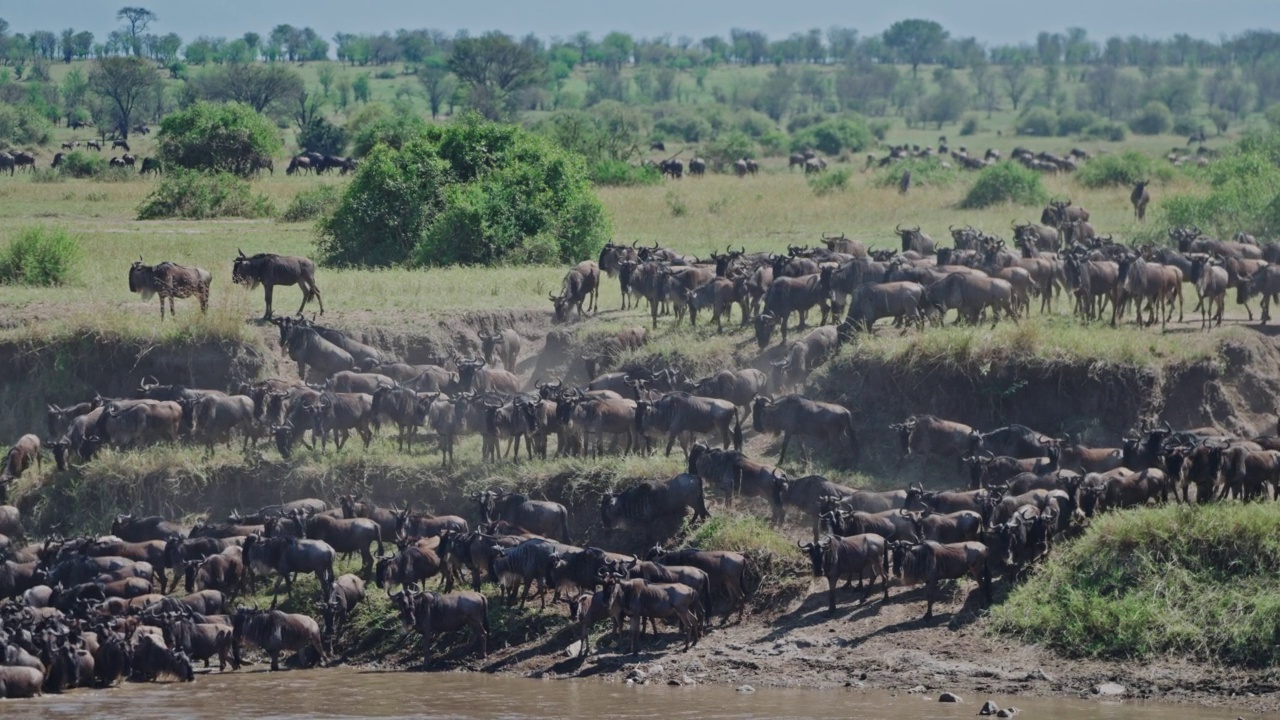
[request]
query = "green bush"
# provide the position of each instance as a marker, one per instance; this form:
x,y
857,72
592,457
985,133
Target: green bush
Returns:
x,y
1187,125
830,181
1197,583
1005,182
1104,130
684,126
46,175
466,192
323,137
195,195
1153,119
23,125
618,172
312,204
392,130
1244,192
729,147
969,126
80,164
1074,123
1038,121
834,136
218,138
1122,170
925,172
40,256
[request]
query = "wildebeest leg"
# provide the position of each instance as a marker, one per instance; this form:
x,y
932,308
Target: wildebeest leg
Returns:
x,y
786,440
172,312
266,292
671,440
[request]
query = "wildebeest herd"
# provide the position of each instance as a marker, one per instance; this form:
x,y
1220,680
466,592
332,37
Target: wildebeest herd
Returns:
x,y
92,610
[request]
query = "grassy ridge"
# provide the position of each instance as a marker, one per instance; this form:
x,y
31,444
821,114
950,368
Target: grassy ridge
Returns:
x,y
1189,581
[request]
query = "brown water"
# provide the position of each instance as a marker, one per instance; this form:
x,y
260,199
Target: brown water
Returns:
x,y
350,693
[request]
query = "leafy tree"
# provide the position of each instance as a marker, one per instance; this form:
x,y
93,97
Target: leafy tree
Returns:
x,y
833,136
23,125
74,89
360,87
494,67
217,137
257,85
438,85
326,75
320,135
137,20
948,103
916,41
1017,83
123,82
775,97
1153,119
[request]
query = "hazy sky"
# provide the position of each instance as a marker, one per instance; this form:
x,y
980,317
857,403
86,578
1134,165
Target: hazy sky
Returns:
x,y
991,21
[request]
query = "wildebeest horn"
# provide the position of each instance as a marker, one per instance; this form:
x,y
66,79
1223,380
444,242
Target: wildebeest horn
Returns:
x,y
240,251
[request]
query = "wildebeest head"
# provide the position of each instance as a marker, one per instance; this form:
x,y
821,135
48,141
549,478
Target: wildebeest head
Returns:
x,y
817,554
246,270
141,278
764,324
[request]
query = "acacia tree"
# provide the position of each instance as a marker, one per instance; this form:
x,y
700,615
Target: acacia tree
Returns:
x,y
257,85
495,67
1017,82
136,19
916,41
438,84
122,82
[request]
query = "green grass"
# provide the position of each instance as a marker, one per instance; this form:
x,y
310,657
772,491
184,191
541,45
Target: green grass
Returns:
x,y
1188,582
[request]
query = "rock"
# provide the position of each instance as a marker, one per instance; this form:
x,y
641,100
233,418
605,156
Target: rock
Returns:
x,y
573,649
1008,712
656,669
745,689
637,676
674,682
989,708
915,690
695,666
947,697
802,644
1039,674
1108,690
686,680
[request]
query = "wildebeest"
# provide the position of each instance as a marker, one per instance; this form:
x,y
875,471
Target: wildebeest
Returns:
x,y
640,599
842,557
269,270
727,570
346,593
1140,198
505,344
150,165
213,418
549,519
306,347
679,412
581,284
739,387
347,535
429,613
787,295
929,562
798,415
641,504
275,631
19,457
169,280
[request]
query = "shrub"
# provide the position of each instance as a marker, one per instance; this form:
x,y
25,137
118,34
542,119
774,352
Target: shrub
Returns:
x,y
618,172
1038,121
727,148
323,137
1187,125
392,130
683,126
1122,170
218,138
79,164
825,183
925,172
312,203
834,136
1153,119
1104,130
1074,123
1005,182
46,175
1243,193
969,126
195,195
40,256
465,192
23,125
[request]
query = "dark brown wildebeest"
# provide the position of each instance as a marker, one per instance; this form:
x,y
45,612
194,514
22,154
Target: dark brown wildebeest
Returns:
x,y
121,144
275,631
679,412
836,557
549,519
269,270
929,562
739,387
170,280
581,284
727,570
798,415
299,163
505,344
787,295
17,460
150,165
1140,199
347,592
429,613
306,347
642,504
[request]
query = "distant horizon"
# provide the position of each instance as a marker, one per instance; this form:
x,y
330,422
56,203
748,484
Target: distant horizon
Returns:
x,y
991,22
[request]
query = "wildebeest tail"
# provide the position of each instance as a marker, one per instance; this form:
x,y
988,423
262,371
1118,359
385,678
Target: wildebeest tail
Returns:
x,y
748,579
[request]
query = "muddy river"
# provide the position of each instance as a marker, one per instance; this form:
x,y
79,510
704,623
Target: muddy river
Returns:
x,y
352,693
